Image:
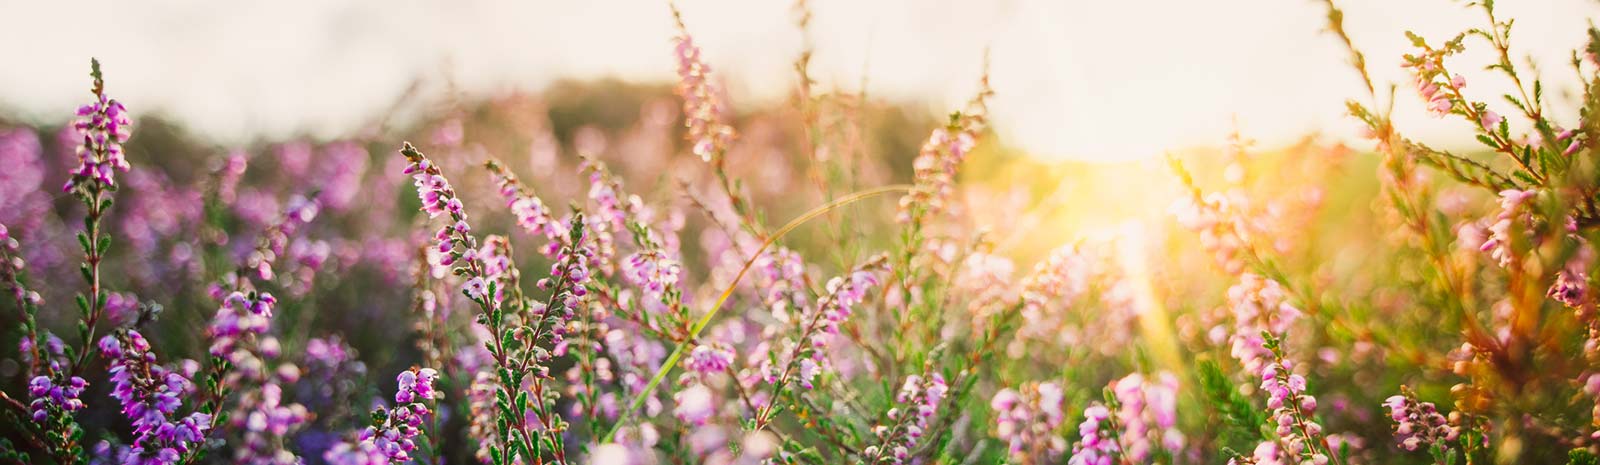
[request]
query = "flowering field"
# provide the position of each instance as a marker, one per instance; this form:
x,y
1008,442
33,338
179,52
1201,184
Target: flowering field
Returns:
x,y
614,273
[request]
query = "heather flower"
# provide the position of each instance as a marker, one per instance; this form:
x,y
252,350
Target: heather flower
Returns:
x,y
1258,304
394,431
652,271
1147,410
1098,443
703,108
266,424
907,422
1027,419
50,396
1297,435
1514,213
822,323
935,171
150,396
1219,220
1418,424
1490,120
102,127
780,281
694,404
710,358
241,318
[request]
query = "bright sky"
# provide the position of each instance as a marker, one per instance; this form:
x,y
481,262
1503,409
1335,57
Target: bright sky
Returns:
x,y
1098,80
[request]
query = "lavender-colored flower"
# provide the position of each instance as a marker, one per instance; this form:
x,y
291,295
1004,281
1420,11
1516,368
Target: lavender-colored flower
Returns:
x,y
1098,443
1514,213
151,395
1258,304
267,422
1027,419
703,106
694,405
1418,424
241,317
102,127
49,396
394,431
935,172
652,271
907,422
709,358
821,324
1147,411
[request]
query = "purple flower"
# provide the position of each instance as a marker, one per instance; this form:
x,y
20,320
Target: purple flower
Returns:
x,y
1418,424
915,406
150,395
703,106
49,397
710,358
394,431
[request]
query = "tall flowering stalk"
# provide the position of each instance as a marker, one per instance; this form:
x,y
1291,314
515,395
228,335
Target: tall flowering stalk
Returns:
x,y
102,127
394,432
1027,420
704,111
907,422
1419,425
522,334
1297,436
804,356
151,396
53,395
932,186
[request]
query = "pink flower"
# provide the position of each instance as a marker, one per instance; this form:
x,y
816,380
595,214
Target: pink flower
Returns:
x,y
1490,120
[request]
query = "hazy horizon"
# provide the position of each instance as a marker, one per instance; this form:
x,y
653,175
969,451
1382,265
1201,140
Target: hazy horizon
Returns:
x,y
1075,80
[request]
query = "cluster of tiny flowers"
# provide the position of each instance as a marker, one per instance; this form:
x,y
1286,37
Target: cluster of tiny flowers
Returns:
x,y
1513,213
652,271
394,432
694,405
150,395
1063,276
710,358
1222,234
103,126
432,188
1572,282
497,269
1148,411
1098,443
1439,103
482,411
1258,304
780,279
702,101
844,293
11,268
1292,412
986,279
265,426
529,210
915,405
1418,424
240,318
1026,421
935,172
357,453
48,395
